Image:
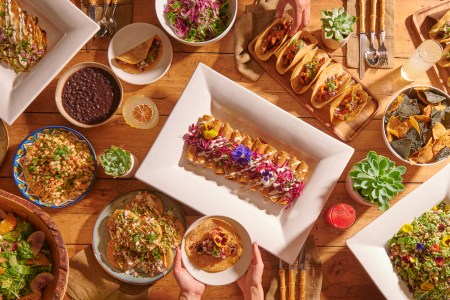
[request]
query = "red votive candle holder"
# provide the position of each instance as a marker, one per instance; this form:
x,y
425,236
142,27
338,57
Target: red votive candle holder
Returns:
x,y
341,216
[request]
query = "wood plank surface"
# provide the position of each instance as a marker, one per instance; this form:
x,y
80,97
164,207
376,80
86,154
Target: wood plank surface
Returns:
x,y
343,276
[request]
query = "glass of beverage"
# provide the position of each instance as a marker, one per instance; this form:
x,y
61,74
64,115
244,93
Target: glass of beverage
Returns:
x,y
425,56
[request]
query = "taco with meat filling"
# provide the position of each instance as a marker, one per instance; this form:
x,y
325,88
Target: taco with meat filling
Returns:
x,y
308,70
294,50
331,83
347,106
445,58
213,246
441,30
143,57
271,39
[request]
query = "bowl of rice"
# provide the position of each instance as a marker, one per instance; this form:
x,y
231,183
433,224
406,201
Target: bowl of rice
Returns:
x,y
54,167
196,23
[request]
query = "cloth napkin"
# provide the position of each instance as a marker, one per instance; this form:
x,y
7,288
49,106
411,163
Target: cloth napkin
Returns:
x,y
88,281
247,27
313,275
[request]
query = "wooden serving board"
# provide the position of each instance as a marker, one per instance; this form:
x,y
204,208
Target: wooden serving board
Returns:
x,y
346,131
423,20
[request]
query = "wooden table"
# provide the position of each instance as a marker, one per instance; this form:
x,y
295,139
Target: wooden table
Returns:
x,y
343,276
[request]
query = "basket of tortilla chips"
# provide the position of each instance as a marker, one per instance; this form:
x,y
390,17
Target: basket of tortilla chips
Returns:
x,y
416,125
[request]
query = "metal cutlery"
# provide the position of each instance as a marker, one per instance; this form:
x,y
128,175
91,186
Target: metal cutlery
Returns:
x,y
302,271
371,54
103,22
112,25
92,13
362,37
281,272
382,51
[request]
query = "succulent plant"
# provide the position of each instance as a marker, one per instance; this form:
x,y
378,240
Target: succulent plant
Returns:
x,y
337,24
116,161
377,179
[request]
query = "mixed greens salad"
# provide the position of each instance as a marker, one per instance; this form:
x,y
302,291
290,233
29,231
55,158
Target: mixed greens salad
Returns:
x,y
25,258
198,20
420,253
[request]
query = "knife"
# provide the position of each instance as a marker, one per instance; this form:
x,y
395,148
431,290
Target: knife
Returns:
x,y
92,13
282,281
362,37
302,267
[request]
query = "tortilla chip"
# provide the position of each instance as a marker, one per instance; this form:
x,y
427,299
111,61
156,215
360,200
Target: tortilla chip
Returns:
x,y
438,131
442,154
408,107
443,141
402,147
422,118
416,140
136,54
395,104
429,97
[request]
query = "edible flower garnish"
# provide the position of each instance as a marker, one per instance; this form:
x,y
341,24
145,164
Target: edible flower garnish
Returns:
x,y
420,246
446,241
434,248
426,286
220,238
439,260
441,227
268,177
242,155
407,228
210,134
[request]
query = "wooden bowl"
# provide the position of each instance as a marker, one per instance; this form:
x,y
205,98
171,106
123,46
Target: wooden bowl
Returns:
x,y
42,221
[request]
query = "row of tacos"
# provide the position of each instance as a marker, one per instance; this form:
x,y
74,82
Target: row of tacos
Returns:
x,y
311,66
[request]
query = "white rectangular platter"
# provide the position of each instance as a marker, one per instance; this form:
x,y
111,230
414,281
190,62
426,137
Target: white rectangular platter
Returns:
x,y
278,230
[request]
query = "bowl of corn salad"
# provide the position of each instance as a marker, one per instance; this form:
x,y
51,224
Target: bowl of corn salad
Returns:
x,y
54,167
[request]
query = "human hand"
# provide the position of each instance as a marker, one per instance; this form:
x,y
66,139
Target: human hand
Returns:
x,y
190,288
301,10
250,283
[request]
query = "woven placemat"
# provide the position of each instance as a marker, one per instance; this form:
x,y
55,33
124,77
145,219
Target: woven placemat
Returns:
x,y
353,42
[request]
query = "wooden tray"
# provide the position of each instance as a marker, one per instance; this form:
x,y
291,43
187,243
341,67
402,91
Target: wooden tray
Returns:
x,y
422,21
346,131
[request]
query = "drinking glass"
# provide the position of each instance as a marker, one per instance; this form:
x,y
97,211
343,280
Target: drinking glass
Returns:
x,y
425,56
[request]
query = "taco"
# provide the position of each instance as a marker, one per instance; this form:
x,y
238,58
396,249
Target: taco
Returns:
x,y
308,70
143,57
213,246
271,39
445,58
348,105
331,83
294,50
441,30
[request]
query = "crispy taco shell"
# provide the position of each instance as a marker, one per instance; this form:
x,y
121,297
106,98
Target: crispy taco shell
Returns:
x,y
209,263
310,42
353,111
133,61
332,70
313,54
435,29
259,44
445,58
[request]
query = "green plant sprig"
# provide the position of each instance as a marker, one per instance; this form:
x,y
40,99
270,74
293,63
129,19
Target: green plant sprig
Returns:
x,y
377,179
337,23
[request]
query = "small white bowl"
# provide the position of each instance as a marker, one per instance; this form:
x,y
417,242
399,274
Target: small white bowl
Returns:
x,y
62,81
383,126
159,7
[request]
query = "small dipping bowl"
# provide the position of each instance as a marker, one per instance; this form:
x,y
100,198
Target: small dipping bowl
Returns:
x,y
88,94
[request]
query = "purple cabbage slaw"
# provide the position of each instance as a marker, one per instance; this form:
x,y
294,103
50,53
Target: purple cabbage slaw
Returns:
x,y
198,20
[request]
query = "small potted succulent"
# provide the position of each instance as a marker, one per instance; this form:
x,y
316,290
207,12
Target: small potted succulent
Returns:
x,y
118,162
336,27
375,180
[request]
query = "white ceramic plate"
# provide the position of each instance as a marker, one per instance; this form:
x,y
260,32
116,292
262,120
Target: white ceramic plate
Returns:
x,y
129,37
100,235
229,275
67,29
369,244
280,231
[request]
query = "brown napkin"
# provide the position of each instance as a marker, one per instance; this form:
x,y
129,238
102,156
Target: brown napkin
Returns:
x,y
313,275
353,42
247,27
88,281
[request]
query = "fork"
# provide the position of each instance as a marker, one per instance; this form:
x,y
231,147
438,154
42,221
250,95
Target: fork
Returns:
x,y
103,22
112,25
383,52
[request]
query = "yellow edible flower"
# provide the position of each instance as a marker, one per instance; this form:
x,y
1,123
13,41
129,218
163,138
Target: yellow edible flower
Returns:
x,y
407,228
426,286
435,207
210,134
446,241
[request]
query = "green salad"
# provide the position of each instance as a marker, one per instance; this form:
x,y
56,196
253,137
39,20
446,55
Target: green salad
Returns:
x,y
420,253
25,259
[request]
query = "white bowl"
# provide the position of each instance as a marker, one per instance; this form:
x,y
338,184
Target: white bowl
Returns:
x,y
159,8
406,90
